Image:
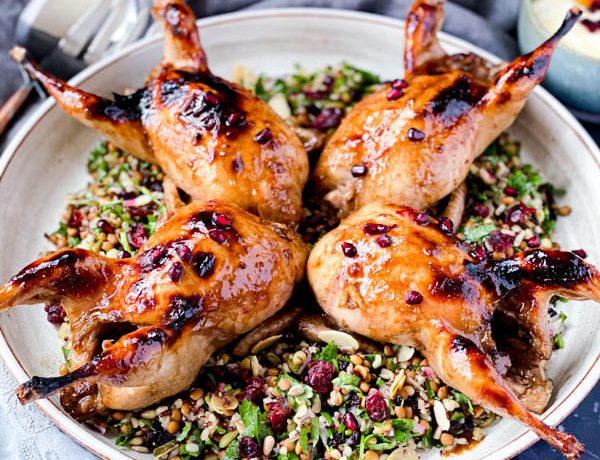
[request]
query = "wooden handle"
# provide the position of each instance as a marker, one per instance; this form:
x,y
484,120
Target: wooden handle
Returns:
x,y
12,105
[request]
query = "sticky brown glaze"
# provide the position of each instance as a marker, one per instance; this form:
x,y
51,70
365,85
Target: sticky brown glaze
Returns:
x,y
213,138
417,137
396,275
208,275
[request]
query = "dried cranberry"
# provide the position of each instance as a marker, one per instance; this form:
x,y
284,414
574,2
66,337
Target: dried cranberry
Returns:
x,y
204,262
481,210
358,170
500,241
104,226
222,221
511,191
413,297
264,136
138,236
534,241
248,448
254,391
376,229
176,271
319,376
217,235
330,117
376,407
124,254
516,214
75,219
422,219
580,253
184,253
394,93
415,135
278,414
350,421
55,313
349,249
446,225
383,241
312,94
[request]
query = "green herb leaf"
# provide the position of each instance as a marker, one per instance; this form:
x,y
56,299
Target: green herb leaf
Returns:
x,y
329,353
186,429
347,381
464,400
558,341
477,232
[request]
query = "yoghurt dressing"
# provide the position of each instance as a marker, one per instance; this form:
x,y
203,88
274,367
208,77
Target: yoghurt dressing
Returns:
x,y
550,14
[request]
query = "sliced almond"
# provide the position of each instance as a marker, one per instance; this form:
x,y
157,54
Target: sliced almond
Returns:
x,y
405,353
398,383
404,453
344,342
440,415
280,105
265,343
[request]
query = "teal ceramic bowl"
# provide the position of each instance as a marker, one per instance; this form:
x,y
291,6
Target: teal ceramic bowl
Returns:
x,y
574,75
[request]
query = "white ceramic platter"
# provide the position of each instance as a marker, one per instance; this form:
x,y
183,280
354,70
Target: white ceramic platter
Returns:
x,y
46,161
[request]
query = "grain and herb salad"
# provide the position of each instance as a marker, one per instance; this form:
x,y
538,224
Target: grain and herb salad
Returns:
x,y
291,398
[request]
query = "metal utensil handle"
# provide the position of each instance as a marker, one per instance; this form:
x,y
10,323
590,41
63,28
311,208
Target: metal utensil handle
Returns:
x,y
13,104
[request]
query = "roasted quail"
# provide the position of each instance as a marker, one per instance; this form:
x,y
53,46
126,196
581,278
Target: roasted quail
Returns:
x,y
213,138
396,275
415,139
142,327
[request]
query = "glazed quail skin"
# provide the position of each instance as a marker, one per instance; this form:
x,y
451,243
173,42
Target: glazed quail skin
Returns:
x,y
213,138
208,275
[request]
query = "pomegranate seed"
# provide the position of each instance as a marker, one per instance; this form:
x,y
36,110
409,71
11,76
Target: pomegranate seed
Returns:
x,y
422,219
399,83
580,253
534,241
138,236
248,448
358,170
349,249
176,271
376,229
319,376
75,219
217,235
55,313
446,225
479,253
204,262
500,241
264,136
350,421
383,241
104,226
184,253
394,94
211,98
590,25
278,414
413,297
481,210
235,119
222,221
376,407
415,135
510,191
329,117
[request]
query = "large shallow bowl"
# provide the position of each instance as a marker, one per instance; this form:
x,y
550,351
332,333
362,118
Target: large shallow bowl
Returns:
x,y
47,160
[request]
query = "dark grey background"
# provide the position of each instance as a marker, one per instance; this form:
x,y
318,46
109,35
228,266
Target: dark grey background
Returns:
x,y
488,23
